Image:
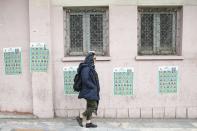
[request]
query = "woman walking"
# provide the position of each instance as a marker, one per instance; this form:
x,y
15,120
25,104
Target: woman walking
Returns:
x,y
90,89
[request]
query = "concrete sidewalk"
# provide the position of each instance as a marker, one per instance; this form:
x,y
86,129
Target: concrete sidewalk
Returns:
x,y
60,124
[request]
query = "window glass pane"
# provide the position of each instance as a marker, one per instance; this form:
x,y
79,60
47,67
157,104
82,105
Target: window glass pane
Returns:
x,y
166,30
96,32
147,31
76,33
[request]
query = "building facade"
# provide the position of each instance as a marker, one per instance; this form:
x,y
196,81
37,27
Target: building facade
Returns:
x,y
146,56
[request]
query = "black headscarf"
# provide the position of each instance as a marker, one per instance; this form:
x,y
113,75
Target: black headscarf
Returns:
x,y
89,60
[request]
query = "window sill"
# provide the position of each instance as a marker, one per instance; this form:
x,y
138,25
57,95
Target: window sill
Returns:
x,y
147,58
81,58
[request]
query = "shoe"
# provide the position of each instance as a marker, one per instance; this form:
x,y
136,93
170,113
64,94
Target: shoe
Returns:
x,y
80,121
91,125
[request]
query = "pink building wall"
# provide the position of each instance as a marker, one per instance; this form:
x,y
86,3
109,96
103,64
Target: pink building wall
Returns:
x,y
15,90
147,102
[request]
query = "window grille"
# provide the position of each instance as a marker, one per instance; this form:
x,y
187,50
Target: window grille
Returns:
x,y
86,29
76,33
159,31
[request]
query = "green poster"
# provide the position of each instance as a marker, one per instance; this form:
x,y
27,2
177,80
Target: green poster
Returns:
x,y
123,81
12,61
168,79
39,57
69,74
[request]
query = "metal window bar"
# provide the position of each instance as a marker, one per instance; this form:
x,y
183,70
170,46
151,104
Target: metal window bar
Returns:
x,y
168,33
156,33
145,33
96,30
76,31
85,33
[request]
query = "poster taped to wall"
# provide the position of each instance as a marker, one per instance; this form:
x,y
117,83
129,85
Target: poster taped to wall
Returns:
x,y
123,81
168,79
12,60
39,57
69,74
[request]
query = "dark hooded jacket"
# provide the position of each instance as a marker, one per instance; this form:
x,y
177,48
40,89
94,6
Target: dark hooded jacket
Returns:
x,y
90,82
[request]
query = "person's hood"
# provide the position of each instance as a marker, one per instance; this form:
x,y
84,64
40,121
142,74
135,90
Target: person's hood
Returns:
x,y
89,61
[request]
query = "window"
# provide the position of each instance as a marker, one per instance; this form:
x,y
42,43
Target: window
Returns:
x,y
86,29
159,31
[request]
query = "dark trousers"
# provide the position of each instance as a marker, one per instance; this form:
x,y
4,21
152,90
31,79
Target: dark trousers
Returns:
x,y
91,107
